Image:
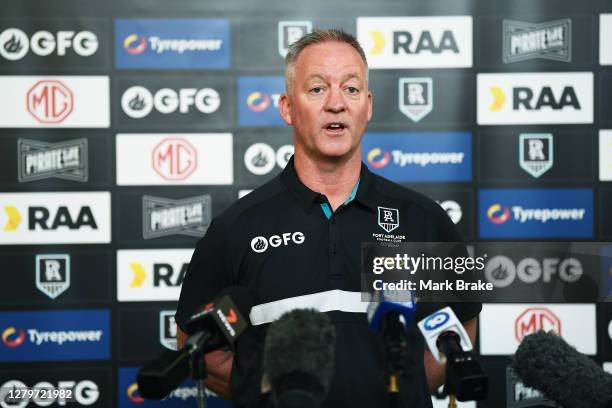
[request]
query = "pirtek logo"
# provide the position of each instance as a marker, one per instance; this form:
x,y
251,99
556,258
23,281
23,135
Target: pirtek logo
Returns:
x,y
50,101
523,99
40,218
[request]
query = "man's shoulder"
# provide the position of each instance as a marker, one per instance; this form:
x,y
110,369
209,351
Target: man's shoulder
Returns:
x,y
260,199
405,197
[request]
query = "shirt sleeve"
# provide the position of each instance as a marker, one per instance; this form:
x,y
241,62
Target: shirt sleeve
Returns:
x,y
208,273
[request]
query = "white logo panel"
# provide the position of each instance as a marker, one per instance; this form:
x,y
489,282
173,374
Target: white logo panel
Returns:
x,y
174,159
151,274
605,155
416,42
54,101
55,218
605,39
501,326
535,98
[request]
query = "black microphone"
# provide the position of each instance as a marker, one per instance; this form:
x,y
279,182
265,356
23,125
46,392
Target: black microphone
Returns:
x,y
214,325
544,361
299,358
447,340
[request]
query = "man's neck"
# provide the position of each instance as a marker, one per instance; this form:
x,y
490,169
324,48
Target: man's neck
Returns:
x,y
334,179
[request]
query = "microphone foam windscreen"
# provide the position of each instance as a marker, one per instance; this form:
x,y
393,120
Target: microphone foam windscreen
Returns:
x,y
547,363
300,342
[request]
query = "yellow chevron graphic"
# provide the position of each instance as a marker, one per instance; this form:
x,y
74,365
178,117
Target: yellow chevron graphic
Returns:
x,y
499,99
14,218
379,42
139,275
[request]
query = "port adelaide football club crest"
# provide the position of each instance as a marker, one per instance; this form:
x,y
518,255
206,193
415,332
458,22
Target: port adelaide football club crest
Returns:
x,y
53,274
167,329
536,153
415,97
166,216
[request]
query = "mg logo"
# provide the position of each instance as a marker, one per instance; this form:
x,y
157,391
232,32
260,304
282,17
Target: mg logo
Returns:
x,y
50,101
175,159
534,319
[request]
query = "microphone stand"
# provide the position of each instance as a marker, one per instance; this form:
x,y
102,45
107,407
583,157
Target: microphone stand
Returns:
x,y
198,365
395,341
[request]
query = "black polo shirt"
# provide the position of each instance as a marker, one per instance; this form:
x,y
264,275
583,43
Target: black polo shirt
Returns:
x,y
290,252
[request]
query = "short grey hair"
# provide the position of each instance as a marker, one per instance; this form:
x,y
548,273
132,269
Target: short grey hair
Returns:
x,y
319,36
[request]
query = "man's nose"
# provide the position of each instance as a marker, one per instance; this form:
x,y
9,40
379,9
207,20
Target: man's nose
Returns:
x,y
335,101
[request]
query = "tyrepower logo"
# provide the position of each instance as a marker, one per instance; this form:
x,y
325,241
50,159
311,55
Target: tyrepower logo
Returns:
x,y
151,275
67,101
536,213
176,43
174,159
605,39
258,100
181,396
404,157
55,218
503,327
416,42
535,98
55,335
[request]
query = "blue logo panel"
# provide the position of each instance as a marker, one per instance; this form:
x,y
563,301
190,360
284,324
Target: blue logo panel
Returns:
x,y
182,396
536,213
177,43
419,157
55,335
258,100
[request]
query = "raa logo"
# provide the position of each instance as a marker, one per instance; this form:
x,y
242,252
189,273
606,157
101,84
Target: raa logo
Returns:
x,y
405,42
42,218
525,98
162,273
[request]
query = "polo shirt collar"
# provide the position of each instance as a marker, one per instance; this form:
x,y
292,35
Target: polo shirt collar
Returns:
x,y
309,199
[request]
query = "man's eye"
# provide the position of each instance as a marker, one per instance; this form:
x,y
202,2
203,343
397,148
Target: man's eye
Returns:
x,y
316,90
352,89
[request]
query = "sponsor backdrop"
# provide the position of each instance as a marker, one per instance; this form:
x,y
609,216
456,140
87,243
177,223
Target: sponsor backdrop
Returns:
x,y
124,130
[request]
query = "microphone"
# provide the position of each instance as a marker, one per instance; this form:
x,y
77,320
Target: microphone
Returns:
x,y
546,362
216,326
299,358
449,342
389,314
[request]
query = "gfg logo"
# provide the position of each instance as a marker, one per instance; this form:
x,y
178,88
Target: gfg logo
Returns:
x,y
260,244
436,320
84,392
15,44
137,101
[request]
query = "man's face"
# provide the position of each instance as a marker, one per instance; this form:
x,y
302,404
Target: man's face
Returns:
x,y
329,103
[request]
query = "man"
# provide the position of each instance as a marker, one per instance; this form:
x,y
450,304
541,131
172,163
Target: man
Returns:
x,y
308,224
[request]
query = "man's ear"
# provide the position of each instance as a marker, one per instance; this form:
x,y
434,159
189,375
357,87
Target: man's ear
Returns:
x,y
370,96
284,107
